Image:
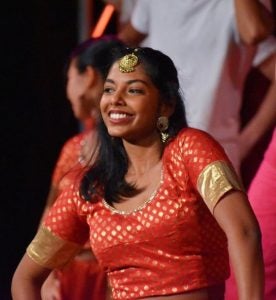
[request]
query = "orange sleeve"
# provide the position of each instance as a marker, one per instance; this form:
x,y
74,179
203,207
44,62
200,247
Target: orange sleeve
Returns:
x,y
210,171
63,233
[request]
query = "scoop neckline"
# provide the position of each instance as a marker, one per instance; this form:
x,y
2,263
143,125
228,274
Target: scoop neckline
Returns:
x,y
140,207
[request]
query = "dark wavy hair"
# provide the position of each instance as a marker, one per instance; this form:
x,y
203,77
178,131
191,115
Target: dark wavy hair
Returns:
x,y
106,177
95,52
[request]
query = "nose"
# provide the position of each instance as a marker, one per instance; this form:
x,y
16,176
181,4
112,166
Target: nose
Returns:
x,y
117,98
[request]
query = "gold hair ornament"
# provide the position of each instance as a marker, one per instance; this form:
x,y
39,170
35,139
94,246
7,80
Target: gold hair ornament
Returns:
x,y
128,63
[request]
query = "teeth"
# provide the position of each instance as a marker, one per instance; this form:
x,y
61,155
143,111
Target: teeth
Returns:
x,y
117,116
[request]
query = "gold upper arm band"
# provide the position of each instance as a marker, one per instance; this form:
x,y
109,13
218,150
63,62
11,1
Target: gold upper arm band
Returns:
x,y
215,180
49,250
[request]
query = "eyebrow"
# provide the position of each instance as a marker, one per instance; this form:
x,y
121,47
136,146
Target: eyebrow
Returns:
x,y
129,81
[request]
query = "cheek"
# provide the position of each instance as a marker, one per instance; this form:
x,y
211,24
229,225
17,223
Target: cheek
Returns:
x,y
75,89
103,109
103,104
149,112
72,90
69,93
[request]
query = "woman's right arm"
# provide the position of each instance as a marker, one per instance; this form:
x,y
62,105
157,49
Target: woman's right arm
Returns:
x,y
254,21
28,279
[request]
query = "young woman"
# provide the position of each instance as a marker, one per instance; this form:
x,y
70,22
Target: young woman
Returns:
x,y
161,203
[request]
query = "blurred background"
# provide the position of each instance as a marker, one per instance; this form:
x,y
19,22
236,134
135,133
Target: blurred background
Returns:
x,y
36,38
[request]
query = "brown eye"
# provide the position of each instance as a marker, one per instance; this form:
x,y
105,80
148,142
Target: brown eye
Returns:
x,y
108,90
136,91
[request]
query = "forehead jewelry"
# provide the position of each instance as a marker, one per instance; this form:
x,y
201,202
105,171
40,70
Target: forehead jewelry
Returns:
x,y
128,63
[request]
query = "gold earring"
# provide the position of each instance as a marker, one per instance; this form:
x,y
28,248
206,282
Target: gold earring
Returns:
x,y
162,126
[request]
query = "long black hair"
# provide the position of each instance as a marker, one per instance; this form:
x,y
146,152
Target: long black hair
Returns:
x,y
95,52
106,177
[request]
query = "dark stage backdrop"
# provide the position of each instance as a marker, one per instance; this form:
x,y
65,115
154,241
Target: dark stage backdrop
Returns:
x,y
36,38
36,118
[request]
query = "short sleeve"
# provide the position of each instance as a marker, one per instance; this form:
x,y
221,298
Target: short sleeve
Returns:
x,y
67,159
209,168
63,232
140,16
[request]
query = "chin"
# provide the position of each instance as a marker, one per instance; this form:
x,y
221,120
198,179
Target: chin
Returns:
x,y
115,133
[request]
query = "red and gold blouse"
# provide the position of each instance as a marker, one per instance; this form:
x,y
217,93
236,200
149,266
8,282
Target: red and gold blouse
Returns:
x,y
170,245
69,163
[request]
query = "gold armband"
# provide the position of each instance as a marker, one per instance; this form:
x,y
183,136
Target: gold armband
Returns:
x,y
50,251
215,180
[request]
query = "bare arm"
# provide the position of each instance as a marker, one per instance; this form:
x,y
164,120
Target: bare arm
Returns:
x,y
265,116
29,276
235,216
28,279
254,21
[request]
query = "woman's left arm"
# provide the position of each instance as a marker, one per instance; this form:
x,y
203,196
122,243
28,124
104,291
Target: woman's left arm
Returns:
x,y
28,279
235,216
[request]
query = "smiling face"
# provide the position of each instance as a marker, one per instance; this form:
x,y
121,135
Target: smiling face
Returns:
x,y
131,104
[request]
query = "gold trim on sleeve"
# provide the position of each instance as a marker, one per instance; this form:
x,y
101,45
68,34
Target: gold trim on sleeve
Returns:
x,y
215,180
51,251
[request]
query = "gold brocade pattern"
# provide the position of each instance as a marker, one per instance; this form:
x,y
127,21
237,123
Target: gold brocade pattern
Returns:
x,y
215,180
170,245
49,250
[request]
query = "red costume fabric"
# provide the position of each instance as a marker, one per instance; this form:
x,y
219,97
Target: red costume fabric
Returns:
x,y
170,245
68,166
81,278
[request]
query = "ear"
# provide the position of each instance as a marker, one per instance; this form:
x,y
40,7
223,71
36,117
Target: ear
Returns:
x,y
167,109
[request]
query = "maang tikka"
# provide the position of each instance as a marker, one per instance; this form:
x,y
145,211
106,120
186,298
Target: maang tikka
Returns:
x,y
163,125
128,62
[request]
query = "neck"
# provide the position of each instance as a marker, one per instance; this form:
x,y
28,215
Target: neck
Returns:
x,y
143,158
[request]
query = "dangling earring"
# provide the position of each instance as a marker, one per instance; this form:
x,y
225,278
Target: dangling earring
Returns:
x,y
162,126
